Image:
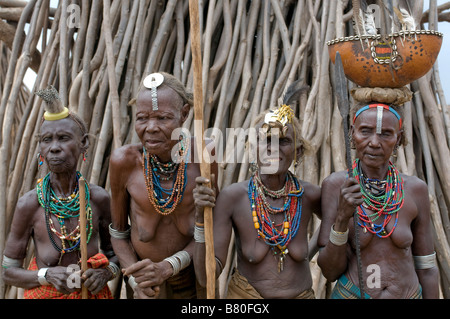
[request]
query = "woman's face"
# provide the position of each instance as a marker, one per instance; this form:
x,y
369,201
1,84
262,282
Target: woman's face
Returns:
x,y
154,127
372,148
276,152
61,144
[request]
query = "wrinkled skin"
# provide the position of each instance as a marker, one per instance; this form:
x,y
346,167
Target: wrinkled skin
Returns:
x,y
61,145
412,235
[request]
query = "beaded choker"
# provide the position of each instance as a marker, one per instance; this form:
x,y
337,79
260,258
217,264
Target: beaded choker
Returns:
x,y
164,200
63,208
382,200
277,236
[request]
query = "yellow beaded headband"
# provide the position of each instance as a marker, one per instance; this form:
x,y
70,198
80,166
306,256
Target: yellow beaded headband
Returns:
x,y
54,108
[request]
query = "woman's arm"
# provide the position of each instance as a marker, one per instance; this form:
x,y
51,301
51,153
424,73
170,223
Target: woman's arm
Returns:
x,y
340,197
423,240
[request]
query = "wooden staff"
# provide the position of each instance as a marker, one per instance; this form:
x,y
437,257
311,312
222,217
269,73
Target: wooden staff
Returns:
x,y
200,144
83,239
344,105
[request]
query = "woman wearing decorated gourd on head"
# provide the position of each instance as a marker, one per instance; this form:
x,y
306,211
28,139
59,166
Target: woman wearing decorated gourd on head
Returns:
x,y
49,214
151,188
393,212
269,214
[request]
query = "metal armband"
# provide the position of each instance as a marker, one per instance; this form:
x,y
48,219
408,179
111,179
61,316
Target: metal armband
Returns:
x,y
118,234
425,262
10,262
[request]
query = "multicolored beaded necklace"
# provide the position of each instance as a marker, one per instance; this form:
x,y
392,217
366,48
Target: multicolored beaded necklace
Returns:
x,y
63,208
382,198
155,191
277,236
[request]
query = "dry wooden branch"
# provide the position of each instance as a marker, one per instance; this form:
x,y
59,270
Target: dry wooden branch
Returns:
x,y
251,51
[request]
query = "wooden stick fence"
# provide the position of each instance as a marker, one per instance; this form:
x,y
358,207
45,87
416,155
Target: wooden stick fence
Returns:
x,y
97,52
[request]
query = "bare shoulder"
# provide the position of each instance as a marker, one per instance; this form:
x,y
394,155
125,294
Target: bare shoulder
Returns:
x,y
414,183
28,203
25,211
98,194
126,155
334,180
311,191
233,192
416,190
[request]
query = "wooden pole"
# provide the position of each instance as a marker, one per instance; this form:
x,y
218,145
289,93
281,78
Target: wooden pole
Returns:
x,y
200,144
83,239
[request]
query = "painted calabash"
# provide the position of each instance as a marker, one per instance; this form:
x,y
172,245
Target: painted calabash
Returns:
x,y
391,61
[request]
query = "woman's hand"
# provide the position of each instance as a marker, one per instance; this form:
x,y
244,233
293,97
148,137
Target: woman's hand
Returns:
x,y
203,195
350,198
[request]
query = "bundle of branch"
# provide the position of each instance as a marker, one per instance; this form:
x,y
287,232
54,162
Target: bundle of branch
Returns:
x,y
95,53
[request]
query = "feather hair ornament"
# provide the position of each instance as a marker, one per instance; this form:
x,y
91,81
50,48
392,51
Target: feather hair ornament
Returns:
x,y
359,20
279,117
54,109
406,20
369,23
294,91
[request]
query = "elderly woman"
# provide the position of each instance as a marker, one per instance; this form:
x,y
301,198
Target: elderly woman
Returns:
x,y
49,214
269,215
393,217
151,186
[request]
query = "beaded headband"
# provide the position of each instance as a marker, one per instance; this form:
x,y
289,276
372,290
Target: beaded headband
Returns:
x,y
151,82
54,110
380,108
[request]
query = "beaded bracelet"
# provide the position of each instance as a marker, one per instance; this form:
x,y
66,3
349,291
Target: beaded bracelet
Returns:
x,y
338,238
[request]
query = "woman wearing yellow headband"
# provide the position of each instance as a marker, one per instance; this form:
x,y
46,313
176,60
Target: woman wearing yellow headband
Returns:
x,y
49,214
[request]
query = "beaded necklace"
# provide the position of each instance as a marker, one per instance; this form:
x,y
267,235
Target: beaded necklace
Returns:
x,y
151,166
383,198
277,236
63,208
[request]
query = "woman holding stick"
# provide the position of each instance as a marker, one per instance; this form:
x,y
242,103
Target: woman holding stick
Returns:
x,y
394,225
269,215
151,186
50,215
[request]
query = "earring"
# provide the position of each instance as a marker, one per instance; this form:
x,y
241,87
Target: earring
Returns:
x,y
40,159
253,167
352,142
182,146
84,156
394,153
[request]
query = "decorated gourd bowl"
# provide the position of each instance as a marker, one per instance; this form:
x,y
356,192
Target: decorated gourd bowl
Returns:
x,y
390,61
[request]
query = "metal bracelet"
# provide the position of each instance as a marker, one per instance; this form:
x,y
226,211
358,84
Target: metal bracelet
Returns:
x,y
119,234
338,238
425,262
41,277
